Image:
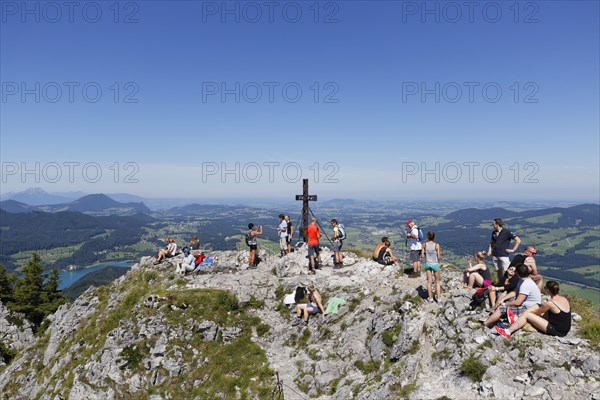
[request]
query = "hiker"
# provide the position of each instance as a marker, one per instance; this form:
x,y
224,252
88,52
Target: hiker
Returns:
x,y
499,247
290,231
508,284
378,248
477,275
194,243
431,254
252,243
528,258
313,306
282,233
313,234
167,252
188,264
553,318
528,297
415,248
337,244
385,256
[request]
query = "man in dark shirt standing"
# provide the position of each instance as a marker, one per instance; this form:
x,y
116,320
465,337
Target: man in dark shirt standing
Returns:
x,y
499,247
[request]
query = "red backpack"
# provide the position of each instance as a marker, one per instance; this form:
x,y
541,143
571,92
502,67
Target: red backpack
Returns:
x,y
199,258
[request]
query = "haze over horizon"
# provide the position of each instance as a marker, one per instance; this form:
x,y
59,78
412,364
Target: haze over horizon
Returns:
x,y
367,100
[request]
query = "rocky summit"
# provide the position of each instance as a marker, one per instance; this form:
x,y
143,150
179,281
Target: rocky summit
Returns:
x,y
226,333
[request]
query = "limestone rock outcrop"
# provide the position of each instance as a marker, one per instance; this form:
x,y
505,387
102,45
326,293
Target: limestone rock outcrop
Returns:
x,y
385,342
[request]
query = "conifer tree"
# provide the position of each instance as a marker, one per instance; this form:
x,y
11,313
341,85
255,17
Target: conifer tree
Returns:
x,y
6,285
34,297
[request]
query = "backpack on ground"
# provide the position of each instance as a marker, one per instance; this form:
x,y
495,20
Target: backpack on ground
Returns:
x,y
299,294
198,259
479,297
341,232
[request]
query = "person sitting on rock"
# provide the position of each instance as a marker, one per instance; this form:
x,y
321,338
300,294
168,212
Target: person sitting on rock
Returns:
x,y
194,243
507,285
553,318
168,252
188,264
477,275
378,248
385,256
528,258
529,298
314,305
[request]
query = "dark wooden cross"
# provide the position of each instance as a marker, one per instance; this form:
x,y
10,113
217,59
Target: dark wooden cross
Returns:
x,y
305,197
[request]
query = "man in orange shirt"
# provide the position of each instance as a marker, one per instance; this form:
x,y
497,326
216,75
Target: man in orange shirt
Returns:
x,y
313,234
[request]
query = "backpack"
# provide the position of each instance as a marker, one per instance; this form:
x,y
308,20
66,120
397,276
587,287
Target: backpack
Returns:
x,y
420,239
250,240
299,294
479,297
198,259
341,232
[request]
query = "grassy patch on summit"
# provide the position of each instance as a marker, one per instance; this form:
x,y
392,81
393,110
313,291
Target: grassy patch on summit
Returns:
x,y
235,369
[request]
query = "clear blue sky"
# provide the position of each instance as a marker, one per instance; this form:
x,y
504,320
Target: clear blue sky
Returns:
x,y
369,117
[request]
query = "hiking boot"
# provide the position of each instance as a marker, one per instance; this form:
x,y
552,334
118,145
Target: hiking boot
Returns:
x,y
502,332
297,321
510,315
430,300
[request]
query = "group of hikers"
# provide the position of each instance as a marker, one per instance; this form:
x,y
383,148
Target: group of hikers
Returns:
x,y
515,293
285,232
190,261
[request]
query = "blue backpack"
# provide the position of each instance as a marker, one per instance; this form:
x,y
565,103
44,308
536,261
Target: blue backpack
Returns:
x,y
420,239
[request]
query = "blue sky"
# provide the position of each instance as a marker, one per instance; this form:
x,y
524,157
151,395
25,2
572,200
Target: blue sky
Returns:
x,y
499,102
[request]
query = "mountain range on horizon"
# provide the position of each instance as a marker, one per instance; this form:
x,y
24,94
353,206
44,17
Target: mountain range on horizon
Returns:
x,y
90,204
37,196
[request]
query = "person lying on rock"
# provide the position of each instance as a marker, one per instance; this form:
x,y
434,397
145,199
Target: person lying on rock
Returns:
x,y
553,318
314,305
528,298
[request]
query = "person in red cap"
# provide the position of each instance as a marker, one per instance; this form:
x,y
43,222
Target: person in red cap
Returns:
x,y
415,248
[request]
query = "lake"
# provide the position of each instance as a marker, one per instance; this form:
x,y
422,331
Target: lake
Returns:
x,y
67,278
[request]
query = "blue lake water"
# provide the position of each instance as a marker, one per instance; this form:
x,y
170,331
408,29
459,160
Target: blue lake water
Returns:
x,y
67,278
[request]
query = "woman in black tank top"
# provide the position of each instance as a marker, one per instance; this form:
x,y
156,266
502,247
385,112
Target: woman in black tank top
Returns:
x,y
553,318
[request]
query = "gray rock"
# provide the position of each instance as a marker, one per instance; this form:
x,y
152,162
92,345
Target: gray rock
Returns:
x,y
19,336
591,365
231,333
208,330
536,391
341,340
